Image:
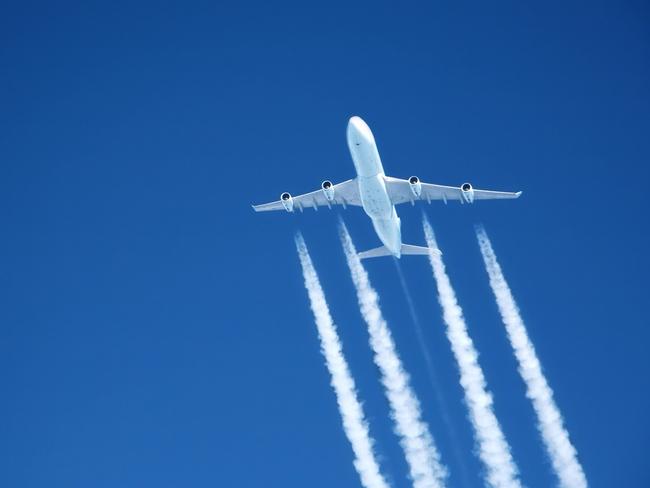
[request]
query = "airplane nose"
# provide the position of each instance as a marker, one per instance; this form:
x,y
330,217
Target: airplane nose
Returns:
x,y
357,123
358,129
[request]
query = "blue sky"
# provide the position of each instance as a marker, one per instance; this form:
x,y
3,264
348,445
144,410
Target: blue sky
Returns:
x,y
154,331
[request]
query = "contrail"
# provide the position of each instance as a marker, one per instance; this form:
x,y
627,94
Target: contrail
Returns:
x,y
425,468
494,451
433,378
354,423
550,424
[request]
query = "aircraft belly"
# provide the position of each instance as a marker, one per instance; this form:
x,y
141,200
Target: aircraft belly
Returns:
x,y
389,233
372,186
366,159
374,197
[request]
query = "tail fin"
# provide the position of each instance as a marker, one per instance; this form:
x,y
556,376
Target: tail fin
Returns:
x,y
407,250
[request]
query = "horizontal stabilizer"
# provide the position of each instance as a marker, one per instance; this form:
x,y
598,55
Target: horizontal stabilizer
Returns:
x,y
375,253
407,250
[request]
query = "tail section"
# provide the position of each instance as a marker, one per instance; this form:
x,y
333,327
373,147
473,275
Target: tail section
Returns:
x,y
375,253
406,250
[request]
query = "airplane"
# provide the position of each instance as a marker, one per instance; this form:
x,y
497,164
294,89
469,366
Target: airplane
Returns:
x,y
378,194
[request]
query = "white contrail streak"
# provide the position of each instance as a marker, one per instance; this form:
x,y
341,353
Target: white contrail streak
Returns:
x,y
550,424
354,423
435,383
493,449
425,468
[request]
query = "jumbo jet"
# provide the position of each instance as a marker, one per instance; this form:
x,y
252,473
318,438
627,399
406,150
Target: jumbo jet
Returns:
x,y
378,194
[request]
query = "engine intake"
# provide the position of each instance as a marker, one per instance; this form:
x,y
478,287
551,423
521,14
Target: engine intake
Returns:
x,y
328,190
467,192
287,201
416,186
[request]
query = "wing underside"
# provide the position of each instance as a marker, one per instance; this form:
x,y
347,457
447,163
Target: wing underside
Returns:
x,y
402,191
344,194
399,191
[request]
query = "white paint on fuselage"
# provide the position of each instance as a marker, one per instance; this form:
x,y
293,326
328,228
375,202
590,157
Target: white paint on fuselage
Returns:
x,y
372,186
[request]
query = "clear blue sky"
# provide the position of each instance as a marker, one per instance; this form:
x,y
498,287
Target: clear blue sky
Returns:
x,y
154,331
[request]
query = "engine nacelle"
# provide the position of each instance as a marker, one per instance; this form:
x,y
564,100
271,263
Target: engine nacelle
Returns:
x,y
287,201
328,190
416,186
467,192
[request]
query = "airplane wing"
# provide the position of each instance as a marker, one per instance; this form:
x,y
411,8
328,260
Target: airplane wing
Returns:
x,y
346,193
402,191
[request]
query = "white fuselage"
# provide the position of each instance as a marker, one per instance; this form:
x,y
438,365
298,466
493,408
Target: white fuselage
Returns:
x,y
372,186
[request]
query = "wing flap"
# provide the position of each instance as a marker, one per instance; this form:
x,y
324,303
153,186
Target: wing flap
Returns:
x,y
495,195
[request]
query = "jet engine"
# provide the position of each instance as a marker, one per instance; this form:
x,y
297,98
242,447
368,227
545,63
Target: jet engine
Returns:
x,y
328,190
467,192
287,201
416,186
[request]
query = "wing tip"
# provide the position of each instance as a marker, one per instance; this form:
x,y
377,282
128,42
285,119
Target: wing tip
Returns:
x,y
518,194
259,208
